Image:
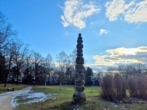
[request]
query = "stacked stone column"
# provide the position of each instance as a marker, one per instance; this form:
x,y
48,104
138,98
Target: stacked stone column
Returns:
x,y
79,96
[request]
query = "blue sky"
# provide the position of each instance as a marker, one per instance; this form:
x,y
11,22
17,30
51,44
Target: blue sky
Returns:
x,y
113,31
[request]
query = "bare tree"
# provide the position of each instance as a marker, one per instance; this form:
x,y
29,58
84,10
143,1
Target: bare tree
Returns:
x,y
47,68
20,51
70,66
9,54
72,57
130,70
49,65
139,68
5,32
112,70
37,59
2,67
28,68
62,64
122,70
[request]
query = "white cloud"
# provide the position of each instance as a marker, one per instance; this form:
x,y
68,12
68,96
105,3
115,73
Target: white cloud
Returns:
x,y
138,13
133,12
103,31
122,51
115,8
76,11
122,55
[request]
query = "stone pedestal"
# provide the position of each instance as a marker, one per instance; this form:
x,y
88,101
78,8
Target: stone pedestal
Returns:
x,y
79,96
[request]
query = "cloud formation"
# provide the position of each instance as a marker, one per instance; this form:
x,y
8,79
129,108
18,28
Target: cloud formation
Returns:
x,y
122,55
138,13
103,31
133,12
76,11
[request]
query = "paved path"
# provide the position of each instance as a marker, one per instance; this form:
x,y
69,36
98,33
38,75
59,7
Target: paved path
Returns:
x,y
5,98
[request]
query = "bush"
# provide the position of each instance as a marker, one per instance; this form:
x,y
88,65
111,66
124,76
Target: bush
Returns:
x,y
132,86
120,86
113,88
108,88
137,86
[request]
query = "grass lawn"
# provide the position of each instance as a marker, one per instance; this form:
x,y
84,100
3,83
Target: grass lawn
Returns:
x,y
16,87
64,98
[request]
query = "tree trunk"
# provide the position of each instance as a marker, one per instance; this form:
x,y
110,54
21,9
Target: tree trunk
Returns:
x,y
27,76
49,79
60,83
17,80
17,77
45,85
6,76
0,77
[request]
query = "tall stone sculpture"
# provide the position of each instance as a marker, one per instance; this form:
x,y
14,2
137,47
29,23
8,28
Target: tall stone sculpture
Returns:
x,y
79,96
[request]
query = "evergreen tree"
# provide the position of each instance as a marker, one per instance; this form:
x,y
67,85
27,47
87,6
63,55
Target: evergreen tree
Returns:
x,y
2,68
88,76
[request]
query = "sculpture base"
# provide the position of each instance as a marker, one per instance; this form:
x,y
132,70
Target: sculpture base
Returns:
x,y
79,97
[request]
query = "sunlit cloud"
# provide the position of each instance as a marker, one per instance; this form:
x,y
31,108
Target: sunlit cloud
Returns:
x,y
132,12
75,13
115,57
122,51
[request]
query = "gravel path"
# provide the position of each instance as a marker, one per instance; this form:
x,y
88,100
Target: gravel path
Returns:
x,y
5,98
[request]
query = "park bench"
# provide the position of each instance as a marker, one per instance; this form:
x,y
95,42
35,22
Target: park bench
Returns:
x,y
10,89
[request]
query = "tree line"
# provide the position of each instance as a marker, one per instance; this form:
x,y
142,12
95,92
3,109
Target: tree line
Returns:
x,y
129,69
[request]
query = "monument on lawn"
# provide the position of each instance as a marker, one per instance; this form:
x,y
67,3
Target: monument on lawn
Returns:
x,y
79,96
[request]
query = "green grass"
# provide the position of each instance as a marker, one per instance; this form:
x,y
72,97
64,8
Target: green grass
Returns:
x,y
16,87
64,98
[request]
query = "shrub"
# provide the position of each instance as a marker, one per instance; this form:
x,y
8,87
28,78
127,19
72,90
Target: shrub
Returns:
x,y
120,86
132,86
142,87
137,86
108,88
113,88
